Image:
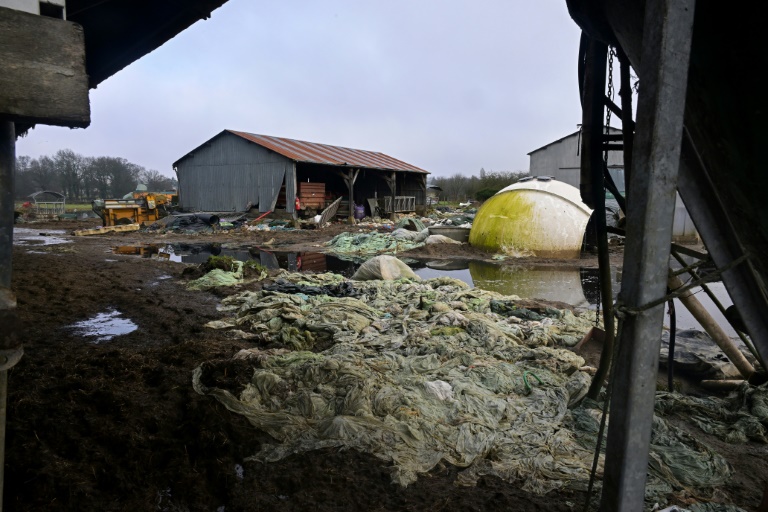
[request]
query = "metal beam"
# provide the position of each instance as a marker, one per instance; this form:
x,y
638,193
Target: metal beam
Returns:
x,y
712,223
664,74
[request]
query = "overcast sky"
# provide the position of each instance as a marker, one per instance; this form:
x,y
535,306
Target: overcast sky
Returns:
x,y
447,85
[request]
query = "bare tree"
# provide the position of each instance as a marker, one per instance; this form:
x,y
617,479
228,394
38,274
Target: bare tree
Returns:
x,y
156,182
69,167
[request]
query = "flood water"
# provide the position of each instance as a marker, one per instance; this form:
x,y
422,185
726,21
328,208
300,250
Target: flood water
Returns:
x,y
579,287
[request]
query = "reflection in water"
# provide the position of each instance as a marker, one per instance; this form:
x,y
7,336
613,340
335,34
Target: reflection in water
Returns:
x,y
572,286
578,287
104,326
27,236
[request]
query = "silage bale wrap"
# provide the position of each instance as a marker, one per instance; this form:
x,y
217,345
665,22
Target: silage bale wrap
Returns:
x,y
218,277
423,372
385,268
372,243
440,239
737,418
413,236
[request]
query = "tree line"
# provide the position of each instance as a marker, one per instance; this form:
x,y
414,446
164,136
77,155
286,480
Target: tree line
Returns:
x,y
479,187
84,178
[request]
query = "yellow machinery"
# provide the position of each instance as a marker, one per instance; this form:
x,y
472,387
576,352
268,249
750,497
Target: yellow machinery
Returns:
x,y
144,208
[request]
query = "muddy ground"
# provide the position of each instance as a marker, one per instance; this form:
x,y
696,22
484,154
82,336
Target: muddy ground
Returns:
x,y
117,426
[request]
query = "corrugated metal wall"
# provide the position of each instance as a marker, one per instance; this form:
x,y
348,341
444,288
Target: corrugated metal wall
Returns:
x,y
561,160
231,172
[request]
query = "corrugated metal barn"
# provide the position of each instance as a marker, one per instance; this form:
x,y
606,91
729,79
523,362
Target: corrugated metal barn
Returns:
x,y
236,171
561,159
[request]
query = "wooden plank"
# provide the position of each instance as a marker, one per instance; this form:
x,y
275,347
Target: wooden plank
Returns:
x,y
43,77
108,229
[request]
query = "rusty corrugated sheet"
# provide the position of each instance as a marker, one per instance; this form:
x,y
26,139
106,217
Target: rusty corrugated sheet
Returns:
x,y
311,152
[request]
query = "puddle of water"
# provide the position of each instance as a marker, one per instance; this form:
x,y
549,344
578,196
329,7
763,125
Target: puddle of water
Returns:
x,y
148,251
35,237
104,326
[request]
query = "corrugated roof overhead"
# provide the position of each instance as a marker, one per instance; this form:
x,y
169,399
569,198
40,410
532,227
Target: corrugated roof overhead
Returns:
x,y
311,152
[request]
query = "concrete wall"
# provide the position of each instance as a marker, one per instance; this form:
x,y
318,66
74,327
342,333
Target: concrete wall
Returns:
x,y
30,6
562,160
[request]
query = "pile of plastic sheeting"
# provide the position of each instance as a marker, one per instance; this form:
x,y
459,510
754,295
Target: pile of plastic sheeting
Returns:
x,y
219,277
738,418
417,373
186,223
384,267
677,459
371,243
698,356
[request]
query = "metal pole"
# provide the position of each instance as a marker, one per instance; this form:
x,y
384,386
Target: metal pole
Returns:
x,y
664,73
10,349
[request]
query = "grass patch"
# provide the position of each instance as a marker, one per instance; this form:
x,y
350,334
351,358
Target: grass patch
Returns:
x,y
225,263
253,268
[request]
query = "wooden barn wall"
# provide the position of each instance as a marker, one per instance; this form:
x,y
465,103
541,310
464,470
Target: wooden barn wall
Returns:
x,y
412,184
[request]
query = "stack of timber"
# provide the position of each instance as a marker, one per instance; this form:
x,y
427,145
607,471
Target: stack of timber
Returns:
x,y
312,195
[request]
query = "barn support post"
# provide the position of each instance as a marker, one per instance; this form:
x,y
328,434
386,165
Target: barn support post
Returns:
x,y
664,72
350,178
10,348
392,181
421,209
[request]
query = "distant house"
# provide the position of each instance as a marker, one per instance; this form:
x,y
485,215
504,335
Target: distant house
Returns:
x,y
561,160
236,171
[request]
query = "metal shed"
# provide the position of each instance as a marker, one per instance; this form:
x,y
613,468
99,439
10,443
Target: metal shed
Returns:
x,y
236,171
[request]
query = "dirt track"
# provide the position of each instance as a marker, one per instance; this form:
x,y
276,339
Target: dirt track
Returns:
x,y
117,425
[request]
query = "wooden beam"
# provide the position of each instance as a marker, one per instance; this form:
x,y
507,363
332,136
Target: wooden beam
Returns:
x,y
43,77
393,187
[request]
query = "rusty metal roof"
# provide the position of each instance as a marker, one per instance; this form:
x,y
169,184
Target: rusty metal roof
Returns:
x,y
312,152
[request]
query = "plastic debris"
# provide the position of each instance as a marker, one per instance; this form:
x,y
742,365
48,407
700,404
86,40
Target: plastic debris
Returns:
x,y
370,243
384,267
417,373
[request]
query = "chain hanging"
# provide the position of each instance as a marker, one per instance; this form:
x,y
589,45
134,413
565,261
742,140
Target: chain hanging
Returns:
x,y
606,129
609,94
